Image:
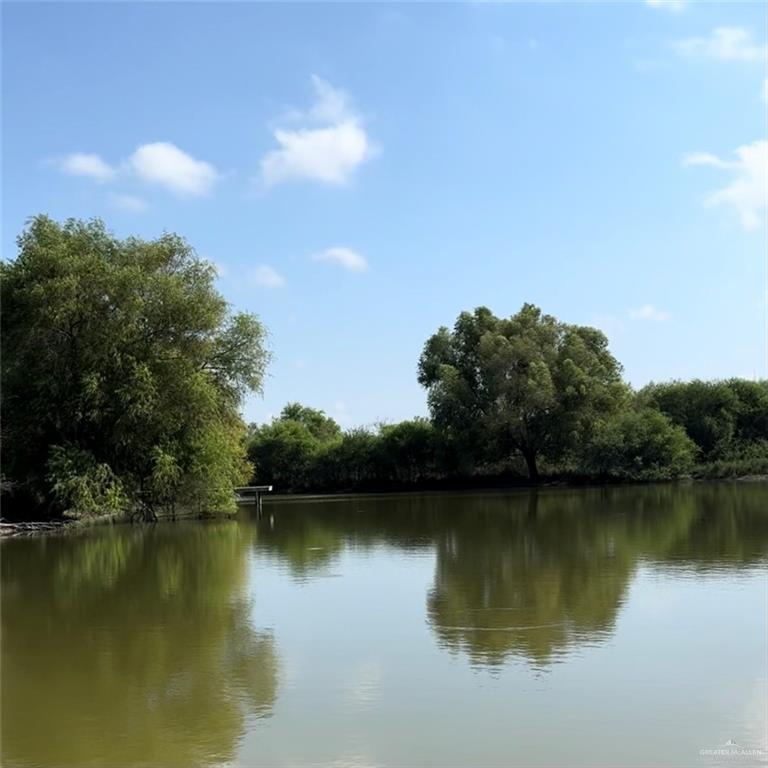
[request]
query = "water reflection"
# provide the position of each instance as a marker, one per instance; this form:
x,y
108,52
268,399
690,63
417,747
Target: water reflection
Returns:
x,y
140,645
534,575
528,577
133,646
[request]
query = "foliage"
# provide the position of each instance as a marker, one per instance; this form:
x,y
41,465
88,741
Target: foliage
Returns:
x,y
82,485
124,368
631,441
749,459
347,463
528,384
304,449
639,445
284,451
323,428
407,451
721,417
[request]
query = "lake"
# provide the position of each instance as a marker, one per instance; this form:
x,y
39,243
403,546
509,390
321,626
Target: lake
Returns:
x,y
617,626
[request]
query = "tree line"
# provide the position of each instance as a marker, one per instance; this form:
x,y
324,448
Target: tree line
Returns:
x,y
519,398
124,371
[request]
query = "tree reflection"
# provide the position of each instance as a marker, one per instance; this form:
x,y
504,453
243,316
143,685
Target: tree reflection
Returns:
x,y
526,576
308,536
142,651
537,574
540,575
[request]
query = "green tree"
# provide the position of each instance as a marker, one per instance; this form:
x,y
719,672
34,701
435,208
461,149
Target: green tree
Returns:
x,y
407,450
705,409
751,415
282,453
528,384
348,462
320,426
123,372
639,445
724,418
285,452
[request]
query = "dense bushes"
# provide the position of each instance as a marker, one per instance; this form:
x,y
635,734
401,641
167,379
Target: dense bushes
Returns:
x,y
639,445
303,449
727,420
721,417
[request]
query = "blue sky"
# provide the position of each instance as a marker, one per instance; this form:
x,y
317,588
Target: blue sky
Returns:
x,y
362,173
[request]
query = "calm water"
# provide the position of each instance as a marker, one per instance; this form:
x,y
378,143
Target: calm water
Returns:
x,y
622,627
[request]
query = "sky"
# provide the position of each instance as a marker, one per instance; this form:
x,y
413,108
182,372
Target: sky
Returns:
x,y
361,173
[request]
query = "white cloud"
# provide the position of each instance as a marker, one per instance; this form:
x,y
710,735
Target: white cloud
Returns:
x,y
159,163
748,189
330,155
343,257
129,203
329,148
165,164
668,5
724,44
267,277
85,164
649,312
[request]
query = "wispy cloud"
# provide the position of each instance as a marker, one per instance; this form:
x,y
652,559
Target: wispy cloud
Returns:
x,y
748,190
86,164
267,277
166,165
649,312
128,203
331,105
668,5
343,257
330,145
723,44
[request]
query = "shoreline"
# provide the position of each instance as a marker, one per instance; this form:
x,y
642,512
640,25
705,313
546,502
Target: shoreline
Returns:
x,y
22,528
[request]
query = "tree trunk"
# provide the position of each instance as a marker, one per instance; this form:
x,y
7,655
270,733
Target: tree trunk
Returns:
x,y
530,460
